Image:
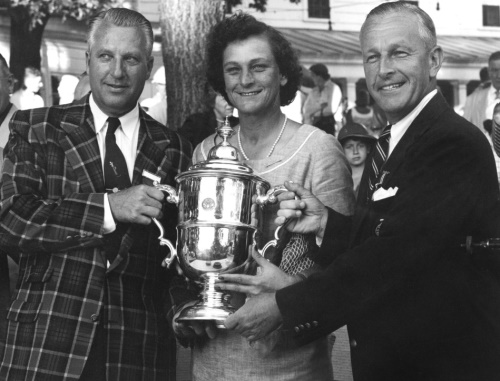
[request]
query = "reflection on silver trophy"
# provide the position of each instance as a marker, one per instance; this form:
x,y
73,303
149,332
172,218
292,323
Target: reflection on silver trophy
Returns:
x,y
219,212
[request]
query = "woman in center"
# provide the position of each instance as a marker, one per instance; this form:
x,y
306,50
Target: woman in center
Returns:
x,y
254,67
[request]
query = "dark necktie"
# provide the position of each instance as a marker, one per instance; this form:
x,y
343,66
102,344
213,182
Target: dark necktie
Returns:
x,y
378,159
115,178
115,167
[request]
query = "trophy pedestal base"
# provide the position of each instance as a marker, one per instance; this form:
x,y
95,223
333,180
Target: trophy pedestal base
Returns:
x,y
203,312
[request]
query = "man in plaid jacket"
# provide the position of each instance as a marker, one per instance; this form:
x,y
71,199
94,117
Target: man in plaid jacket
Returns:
x,y
81,311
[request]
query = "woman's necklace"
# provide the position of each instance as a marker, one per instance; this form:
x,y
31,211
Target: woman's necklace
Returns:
x,y
273,146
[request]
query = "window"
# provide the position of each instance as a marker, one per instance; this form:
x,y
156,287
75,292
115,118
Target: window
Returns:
x,y
319,9
491,15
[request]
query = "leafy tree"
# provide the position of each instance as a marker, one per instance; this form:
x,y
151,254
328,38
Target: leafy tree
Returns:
x,y
28,19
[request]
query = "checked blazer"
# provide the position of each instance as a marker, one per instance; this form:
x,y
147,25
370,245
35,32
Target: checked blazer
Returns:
x,y
52,210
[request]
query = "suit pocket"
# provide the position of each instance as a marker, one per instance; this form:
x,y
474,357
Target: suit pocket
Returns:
x,y
24,312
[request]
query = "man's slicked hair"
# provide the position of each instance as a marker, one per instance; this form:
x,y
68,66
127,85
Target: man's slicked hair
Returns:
x,y
426,27
122,17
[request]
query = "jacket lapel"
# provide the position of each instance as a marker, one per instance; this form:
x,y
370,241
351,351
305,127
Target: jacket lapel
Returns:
x,y
151,147
418,128
81,147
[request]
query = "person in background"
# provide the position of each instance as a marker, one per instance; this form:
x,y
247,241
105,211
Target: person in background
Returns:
x,y
91,297
322,101
8,263
362,113
66,88
357,144
256,70
417,304
7,109
83,87
27,96
199,126
156,106
479,105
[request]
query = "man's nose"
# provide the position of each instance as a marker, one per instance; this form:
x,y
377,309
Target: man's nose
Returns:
x,y
117,69
386,66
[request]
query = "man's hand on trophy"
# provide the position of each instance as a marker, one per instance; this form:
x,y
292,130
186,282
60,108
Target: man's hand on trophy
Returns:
x,y
137,204
304,215
257,318
269,278
193,328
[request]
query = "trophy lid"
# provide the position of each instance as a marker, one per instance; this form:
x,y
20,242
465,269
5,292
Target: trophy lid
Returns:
x,y
223,158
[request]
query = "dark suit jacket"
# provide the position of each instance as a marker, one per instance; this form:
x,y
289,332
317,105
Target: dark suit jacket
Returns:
x,y
52,209
417,306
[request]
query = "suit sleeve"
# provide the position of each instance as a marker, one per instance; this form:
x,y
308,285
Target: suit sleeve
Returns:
x,y
449,188
41,210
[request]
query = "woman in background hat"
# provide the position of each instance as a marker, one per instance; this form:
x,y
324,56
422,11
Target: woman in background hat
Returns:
x,y
323,100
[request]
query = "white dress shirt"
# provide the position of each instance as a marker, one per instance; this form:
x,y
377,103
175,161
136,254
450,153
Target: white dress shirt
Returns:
x,y
398,129
127,137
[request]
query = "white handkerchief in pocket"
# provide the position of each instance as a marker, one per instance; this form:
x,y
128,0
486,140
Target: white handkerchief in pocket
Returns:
x,y
382,193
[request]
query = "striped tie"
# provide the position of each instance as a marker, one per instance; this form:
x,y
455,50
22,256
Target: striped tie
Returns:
x,y
378,158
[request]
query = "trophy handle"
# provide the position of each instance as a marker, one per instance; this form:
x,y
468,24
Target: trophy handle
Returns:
x,y
172,197
271,243
271,197
169,259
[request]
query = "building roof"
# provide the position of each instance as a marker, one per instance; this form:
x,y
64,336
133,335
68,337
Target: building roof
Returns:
x,y
344,45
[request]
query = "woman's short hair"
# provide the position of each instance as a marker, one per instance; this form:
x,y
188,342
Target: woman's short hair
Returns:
x,y
125,18
239,27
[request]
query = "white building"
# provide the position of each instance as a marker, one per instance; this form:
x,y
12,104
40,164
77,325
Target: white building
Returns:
x,y
323,31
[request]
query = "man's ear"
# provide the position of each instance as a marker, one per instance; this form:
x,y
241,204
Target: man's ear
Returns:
x,y
87,61
151,61
436,57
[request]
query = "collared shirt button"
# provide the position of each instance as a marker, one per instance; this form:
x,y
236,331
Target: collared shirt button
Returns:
x,y
353,343
94,317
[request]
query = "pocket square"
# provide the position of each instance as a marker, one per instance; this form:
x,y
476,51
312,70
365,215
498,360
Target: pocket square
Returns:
x,y
382,193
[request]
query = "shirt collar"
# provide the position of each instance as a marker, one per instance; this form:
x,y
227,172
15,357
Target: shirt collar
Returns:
x,y
408,119
398,129
127,121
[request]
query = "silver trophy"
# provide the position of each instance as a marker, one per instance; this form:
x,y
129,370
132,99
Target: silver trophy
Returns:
x,y
219,204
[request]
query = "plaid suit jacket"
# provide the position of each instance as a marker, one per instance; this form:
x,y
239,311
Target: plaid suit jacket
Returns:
x,y
52,209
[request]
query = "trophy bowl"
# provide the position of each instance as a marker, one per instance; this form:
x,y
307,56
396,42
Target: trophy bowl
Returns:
x,y
220,203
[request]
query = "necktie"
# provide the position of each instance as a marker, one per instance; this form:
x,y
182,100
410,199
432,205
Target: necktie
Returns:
x,y
378,158
115,167
115,178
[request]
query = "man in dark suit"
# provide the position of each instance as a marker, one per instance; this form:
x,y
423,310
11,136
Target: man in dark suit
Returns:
x,y
417,305
90,300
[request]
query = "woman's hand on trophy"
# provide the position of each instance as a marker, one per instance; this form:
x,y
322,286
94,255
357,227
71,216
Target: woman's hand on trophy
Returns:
x,y
269,278
304,215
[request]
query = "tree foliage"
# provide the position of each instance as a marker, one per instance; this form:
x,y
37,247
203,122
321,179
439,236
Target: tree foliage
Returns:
x,y
259,5
40,10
